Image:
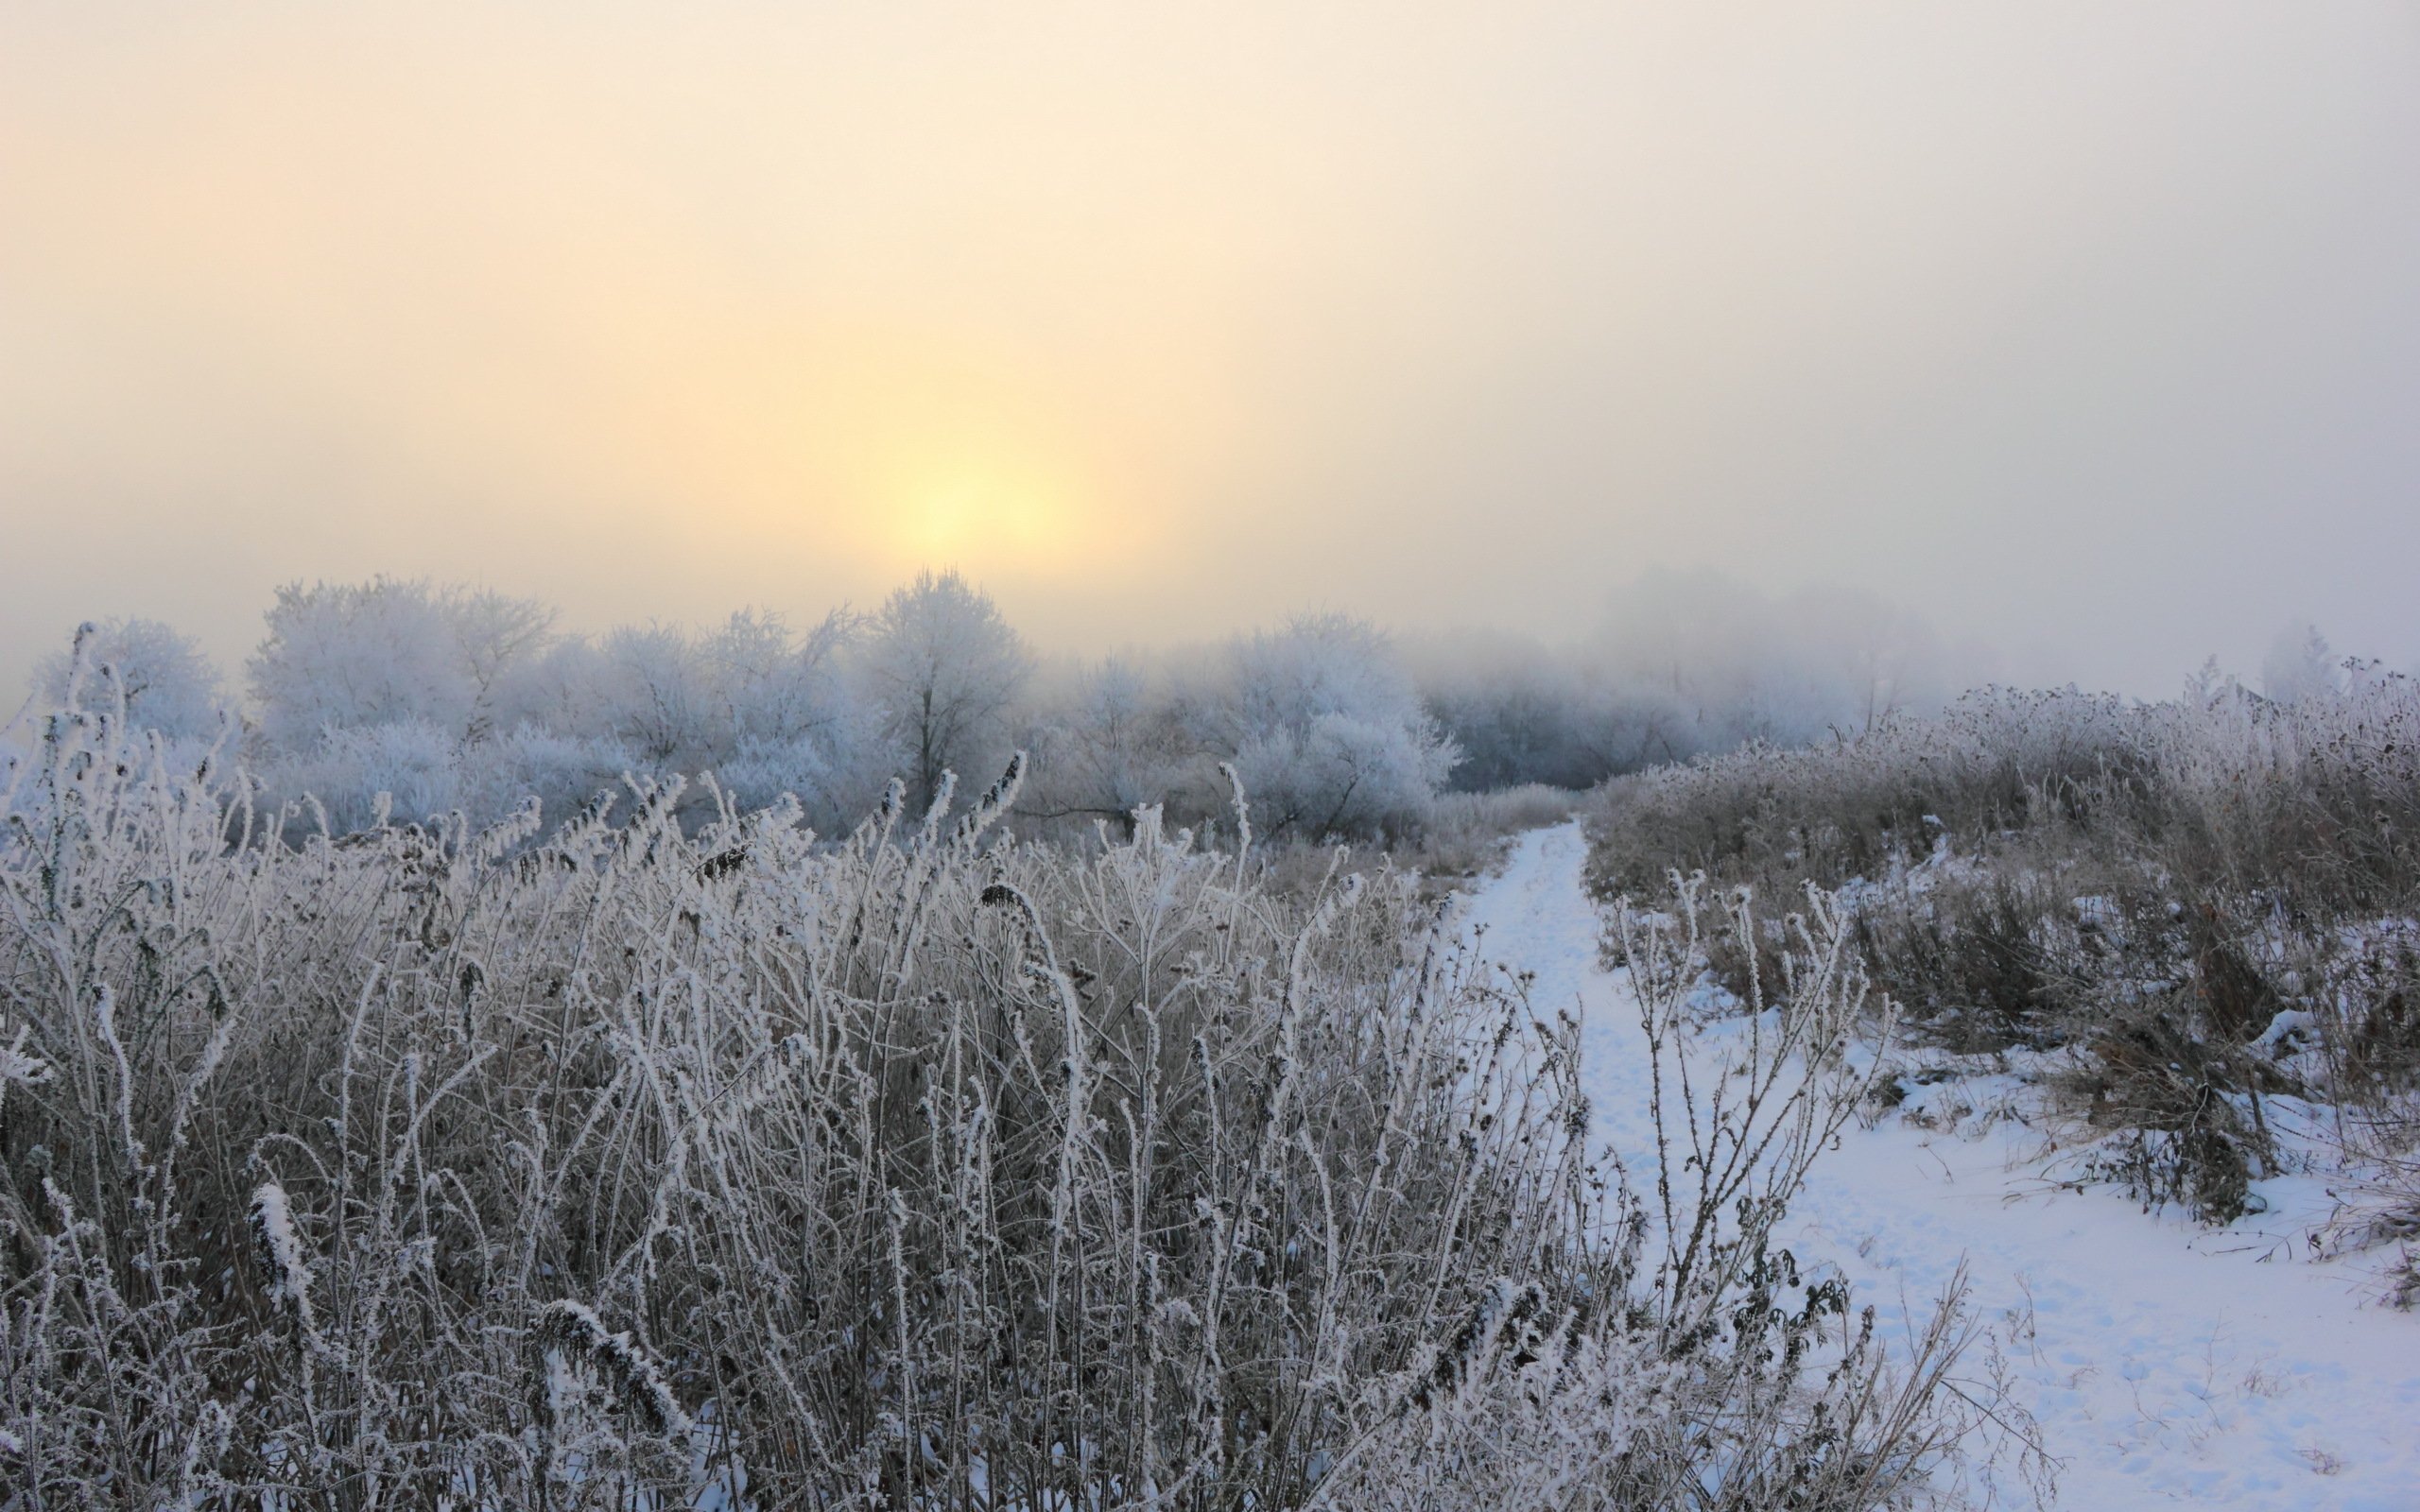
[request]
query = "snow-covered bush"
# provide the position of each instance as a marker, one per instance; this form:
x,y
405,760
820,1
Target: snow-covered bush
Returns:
x,y
1339,775
562,772
1728,1380
528,713
1995,760
1107,740
362,775
1319,716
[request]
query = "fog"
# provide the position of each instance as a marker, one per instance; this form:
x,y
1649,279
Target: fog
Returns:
x,y
2085,333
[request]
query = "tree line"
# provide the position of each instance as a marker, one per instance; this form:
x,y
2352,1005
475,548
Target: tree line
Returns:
x,y
402,699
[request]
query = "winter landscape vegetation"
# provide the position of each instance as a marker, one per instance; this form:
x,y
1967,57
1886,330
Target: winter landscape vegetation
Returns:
x,y
484,1067
1263,758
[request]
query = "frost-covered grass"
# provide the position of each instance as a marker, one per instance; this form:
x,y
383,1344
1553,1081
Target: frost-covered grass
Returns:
x,y
647,1164
2202,906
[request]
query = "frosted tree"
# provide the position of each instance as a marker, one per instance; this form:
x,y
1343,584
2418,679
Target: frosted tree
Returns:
x,y
792,722
339,656
500,639
344,656
774,685
649,687
1110,740
944,669
170,685
1329,732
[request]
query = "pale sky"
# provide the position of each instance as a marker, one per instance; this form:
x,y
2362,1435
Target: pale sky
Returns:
x,y
2091,329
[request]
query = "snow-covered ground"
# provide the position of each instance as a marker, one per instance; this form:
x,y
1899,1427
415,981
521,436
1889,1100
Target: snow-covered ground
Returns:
x,y
2165,1363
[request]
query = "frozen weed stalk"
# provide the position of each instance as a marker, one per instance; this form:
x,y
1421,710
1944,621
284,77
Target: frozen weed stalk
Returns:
x,y
1736,1135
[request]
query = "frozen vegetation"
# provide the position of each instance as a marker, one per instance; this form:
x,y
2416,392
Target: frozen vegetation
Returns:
x,y
661,1162
2205,907
2157,1067
480,1066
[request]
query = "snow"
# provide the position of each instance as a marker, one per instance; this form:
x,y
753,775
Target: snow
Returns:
x,y
2166,1363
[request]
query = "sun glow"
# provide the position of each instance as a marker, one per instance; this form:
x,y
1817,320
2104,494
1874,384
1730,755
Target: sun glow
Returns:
x,y
972,514
980,503
928,458
897,450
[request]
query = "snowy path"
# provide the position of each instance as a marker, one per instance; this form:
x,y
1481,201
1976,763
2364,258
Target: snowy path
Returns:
x,y
2166,1364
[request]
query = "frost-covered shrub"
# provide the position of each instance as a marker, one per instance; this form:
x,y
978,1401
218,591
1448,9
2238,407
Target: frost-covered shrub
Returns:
x,y
2183,1107
1108,738
1338,775
563,773
1319,716
1998,759
1985,963
767,711
361,775
412,773
1734,1381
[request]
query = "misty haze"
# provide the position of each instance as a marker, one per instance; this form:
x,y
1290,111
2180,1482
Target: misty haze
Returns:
x,y
1378,757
